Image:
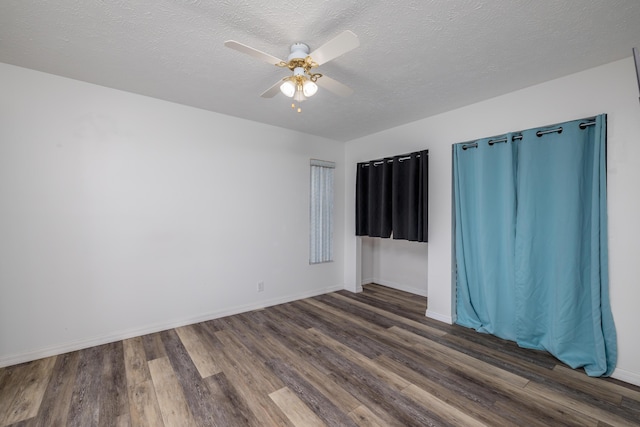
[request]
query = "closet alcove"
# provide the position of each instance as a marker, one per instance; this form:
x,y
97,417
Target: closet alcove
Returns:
x,y
391,221
397,264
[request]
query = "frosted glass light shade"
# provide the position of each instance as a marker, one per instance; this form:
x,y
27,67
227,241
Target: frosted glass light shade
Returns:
x,y
299,95
288,88
309,88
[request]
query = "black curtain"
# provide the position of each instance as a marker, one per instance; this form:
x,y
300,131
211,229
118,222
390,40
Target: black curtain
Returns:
x,y
392,197
373,198
410,197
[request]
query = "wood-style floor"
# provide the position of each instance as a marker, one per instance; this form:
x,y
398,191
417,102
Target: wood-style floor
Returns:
x,y
341,359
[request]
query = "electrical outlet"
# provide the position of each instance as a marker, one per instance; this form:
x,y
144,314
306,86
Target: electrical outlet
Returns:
x,y
260,286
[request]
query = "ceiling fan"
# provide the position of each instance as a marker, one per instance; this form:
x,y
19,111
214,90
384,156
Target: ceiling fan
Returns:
x,y
302,83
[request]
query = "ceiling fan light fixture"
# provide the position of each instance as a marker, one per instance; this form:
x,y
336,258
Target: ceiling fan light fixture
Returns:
x,y
299,95
288,88
309,88
302,84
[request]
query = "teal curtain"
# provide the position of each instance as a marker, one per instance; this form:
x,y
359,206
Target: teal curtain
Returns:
x,y
485,199
531,241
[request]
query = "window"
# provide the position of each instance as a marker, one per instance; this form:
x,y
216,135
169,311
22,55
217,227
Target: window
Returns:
x,y
321,213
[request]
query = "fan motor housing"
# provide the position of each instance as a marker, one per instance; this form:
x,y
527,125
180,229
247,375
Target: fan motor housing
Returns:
x,y
298,51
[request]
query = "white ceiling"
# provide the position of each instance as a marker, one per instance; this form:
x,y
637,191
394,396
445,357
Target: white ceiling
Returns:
x,y
416,58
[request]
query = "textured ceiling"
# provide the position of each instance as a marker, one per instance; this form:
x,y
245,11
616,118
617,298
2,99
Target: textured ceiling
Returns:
x,y
416,58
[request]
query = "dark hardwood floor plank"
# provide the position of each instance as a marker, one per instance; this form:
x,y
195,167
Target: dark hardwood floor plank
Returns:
x,y
530,415
631,406
367,388
482,345
460,359
275,347
340,359
421,361
507,383
402,348
114,398
249,361
477,406
592,411
408,318
54,408
388,377
374,315
259,325
298,340
387,340
243,329
575,384
353,336
384,400
521,410
283,324
245,378
578,379
494,380
247,368
321,405
197,394
598,400
382,304
232,407
414,303
319,380
84,410
371,330
531,366
367,300
449,413
153,347
364,417
5,375
428,369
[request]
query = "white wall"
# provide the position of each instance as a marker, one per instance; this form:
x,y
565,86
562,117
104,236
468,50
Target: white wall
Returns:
x,y
398,264
122,214
610,89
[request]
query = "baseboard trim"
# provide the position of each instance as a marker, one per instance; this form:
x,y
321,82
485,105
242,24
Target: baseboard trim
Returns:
x,y
367,281
398,286
626,376
67,347
440,317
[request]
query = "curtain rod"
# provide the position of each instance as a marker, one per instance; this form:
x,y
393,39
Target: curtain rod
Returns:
x,y
582,125
379,162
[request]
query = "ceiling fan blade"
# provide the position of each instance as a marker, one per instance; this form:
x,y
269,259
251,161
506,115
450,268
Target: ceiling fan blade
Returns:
x,y
252,52
335,47
272,91
334,86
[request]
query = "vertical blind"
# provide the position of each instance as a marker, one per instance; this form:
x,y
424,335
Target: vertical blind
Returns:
x,y
392,197
321,212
